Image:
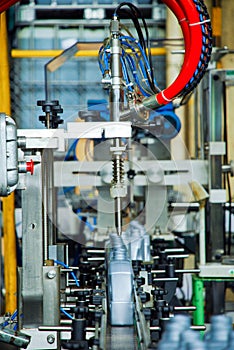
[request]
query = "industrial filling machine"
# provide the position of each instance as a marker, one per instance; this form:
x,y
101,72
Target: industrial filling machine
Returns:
x,y
105,227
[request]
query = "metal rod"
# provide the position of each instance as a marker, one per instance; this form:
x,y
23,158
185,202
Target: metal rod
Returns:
x,y
198,328
173,250
202,237
101,258
188,271
155,328
96,251
178,256
65,322
185,308
177,271
55,328
165,279
116,100
118,216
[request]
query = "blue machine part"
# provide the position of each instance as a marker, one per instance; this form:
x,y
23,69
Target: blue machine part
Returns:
x,y
100,106
172,123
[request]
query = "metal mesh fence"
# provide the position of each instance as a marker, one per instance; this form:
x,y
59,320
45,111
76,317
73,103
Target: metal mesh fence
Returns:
x,y
74,84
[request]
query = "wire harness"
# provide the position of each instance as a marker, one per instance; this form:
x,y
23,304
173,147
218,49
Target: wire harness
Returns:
x,y
136,61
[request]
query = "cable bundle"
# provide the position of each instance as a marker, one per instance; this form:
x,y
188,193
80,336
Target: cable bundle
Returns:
x,y
136,61
206,45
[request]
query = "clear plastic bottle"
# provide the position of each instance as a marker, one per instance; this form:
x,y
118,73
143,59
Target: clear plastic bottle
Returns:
x,y
189,337
219,335
172,337
182,321
231,342
197,345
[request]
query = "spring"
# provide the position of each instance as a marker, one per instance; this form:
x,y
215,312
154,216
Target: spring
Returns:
x,y
118,169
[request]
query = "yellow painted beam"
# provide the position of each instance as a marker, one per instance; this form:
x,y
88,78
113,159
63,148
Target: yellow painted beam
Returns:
x,y
10,262
4,71
217,25
9,238
17,53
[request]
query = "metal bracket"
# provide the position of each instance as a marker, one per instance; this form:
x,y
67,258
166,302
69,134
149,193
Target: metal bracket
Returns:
x,y
8,155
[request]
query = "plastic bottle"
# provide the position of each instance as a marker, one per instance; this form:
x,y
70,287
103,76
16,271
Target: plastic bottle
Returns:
x,y
231,342
171,338
189,337
219,335
197,345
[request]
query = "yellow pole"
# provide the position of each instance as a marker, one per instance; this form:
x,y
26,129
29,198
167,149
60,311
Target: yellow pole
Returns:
x,y
17,53
9,238
217,22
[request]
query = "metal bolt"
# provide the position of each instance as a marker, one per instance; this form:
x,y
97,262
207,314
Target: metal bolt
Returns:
x,y
51,339
51,274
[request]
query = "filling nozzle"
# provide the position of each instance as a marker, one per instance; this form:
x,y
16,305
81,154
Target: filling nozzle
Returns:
x,y
118,216
118,189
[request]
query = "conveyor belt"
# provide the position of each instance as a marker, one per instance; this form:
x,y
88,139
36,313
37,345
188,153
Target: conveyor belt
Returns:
x,y
121,338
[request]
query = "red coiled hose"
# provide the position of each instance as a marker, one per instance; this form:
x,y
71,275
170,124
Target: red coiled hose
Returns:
x,y
5,4
189,20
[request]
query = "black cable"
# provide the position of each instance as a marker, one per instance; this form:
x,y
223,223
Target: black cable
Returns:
x,y
186,98
137,27
206,48
134,14
230,214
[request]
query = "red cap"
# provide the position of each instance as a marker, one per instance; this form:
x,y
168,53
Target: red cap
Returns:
x,y
30,167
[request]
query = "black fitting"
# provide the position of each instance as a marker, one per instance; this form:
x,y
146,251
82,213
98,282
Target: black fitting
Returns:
x,y
51,119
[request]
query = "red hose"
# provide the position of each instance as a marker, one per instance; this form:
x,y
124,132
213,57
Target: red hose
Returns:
x,y
193,47
192,56
181,17
5,4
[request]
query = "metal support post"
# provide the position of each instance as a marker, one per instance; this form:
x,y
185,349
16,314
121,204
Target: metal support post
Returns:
x,y
32,251
51,295
212,93
49,201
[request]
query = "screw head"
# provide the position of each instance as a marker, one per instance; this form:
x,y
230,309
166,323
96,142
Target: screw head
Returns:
x,y
51,339
51,274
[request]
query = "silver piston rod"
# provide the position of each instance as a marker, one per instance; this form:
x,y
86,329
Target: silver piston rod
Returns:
x,y
116,101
